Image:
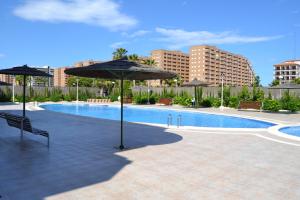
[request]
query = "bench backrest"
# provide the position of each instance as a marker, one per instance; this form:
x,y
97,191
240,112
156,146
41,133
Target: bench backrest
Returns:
x,y
166,101
250,105
16,121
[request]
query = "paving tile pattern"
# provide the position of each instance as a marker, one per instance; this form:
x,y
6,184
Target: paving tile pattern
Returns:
x,y
81,163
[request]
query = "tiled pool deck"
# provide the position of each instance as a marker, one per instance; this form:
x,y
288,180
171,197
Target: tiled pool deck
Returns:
x,y
81,162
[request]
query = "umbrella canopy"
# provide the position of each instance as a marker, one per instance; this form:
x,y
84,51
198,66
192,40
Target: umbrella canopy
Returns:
x,y
24,71
195,82
122,69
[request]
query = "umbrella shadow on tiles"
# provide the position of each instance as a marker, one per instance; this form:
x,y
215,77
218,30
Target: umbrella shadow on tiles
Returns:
x,y
81,153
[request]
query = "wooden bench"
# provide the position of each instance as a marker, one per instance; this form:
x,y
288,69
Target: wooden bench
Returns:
x,y
165,101
23,124
250,105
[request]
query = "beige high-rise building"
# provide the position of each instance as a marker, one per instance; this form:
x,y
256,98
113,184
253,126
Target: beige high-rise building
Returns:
x,y
6,78
60,78
175,61
287,71
85,63
208,63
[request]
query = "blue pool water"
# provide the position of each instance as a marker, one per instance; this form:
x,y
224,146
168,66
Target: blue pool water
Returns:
x,y
292,130
157,116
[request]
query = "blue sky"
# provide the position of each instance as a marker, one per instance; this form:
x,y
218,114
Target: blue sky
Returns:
x,y
61,32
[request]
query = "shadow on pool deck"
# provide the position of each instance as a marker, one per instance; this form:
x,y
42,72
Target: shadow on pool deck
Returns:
x,y
81,153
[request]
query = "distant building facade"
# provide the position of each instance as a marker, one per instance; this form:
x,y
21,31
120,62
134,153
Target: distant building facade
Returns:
x,y
86,63
7,78
61,79
43,81
175,61
287,71
209,64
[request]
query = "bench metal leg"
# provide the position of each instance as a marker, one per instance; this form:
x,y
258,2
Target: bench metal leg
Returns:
x,y
22,132
22,129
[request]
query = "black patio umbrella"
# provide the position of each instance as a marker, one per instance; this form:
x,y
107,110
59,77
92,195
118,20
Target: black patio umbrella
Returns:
x,y
195,83
122,69
24,71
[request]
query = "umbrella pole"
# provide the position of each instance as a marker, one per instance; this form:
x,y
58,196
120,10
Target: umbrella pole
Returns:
x,y
196,97
121,145
24,94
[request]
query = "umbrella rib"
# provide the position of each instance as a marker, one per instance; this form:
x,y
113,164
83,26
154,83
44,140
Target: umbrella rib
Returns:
x,y
115,74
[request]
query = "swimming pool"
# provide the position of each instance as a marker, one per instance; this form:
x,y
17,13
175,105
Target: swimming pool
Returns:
x,y
158,116
291,130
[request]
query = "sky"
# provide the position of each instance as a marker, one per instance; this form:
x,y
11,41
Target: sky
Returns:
x,y
61,32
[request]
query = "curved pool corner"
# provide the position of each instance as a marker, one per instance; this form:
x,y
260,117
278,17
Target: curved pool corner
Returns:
x,y
287,131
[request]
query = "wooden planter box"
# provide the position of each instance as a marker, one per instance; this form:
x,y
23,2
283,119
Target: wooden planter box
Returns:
x,y
165,101
127,100
250,105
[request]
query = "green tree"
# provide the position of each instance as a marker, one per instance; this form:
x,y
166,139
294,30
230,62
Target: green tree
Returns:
x,y
82,82
172,82
149,62
119,53
20,79
257,81
133,57
244,94
296,81
275,82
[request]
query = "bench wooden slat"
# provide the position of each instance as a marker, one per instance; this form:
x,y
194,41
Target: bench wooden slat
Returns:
x,y
23,123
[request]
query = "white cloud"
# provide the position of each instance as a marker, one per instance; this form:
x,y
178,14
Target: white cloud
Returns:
x,y
118,44
138,33
178,38
105,13
2,55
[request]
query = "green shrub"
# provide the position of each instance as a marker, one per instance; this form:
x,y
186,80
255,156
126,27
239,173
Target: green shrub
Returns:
x,y
198,96
207,102
289,102
40,99
216,102
226,95
5,94
271,105
244,95
67,97
56,95
143,98
182,100
233,102
257,94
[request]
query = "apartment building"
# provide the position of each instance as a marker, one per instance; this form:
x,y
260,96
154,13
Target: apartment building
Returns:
x,y
287,71
43,81
6,78
85,63
61,79
210,64
175,61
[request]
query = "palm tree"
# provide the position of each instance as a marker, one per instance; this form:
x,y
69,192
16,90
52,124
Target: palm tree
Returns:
x,y
150,62
133,57
119,53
